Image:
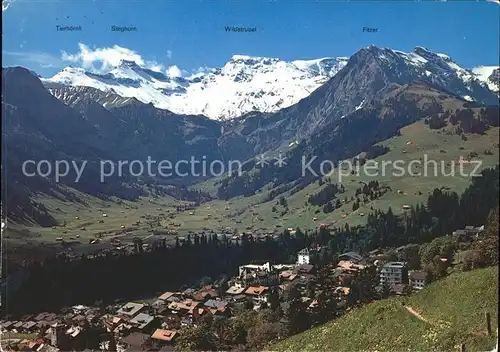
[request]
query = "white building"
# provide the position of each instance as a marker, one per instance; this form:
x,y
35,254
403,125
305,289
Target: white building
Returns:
x,y
307,256
253,274
252,268
259,294
393,273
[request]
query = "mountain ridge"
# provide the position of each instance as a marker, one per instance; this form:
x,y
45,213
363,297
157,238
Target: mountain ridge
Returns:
x,y
248,84
255,83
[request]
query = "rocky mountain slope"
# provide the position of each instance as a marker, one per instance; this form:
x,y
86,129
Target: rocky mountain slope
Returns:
x,y
375,94
370,74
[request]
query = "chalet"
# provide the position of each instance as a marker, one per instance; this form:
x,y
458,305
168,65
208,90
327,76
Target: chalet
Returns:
x,y
51,318
304,269
259,294
197,312
142,322
417,279
235,290
112,322
183,307
17,326
130,310
239,298
212,303
7,325
350,266
79,319
167,296
216,307
281,267
29,327
351,256
159,305
171,322
164,337
287,276
205,293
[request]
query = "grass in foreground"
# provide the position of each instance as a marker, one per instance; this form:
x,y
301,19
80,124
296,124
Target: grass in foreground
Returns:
x,y
454,309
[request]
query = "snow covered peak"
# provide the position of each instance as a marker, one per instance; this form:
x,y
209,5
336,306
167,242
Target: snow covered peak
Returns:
x,y
326,66
490,75
252,60
436,68
242,85
422,51
129,63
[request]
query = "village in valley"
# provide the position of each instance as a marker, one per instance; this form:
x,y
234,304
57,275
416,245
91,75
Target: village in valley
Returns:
x,y
325,288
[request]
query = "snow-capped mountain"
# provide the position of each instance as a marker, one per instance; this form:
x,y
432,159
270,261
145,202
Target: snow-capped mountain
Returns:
x,y
489,75
244,84
127,80
436,68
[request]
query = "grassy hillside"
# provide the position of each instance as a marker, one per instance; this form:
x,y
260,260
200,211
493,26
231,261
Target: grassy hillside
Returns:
x,y
416,140
84,221
453,310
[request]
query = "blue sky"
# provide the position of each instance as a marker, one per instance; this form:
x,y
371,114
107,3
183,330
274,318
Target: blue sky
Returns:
x,y
190,34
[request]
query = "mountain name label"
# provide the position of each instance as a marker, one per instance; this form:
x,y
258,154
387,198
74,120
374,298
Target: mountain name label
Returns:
x,y
240,29
68,28
123,29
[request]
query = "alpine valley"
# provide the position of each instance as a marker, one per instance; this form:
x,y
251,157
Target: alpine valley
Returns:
x,y
368,106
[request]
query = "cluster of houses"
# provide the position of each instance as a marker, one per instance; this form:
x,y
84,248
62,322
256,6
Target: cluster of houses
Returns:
x,y
392,274
157,325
